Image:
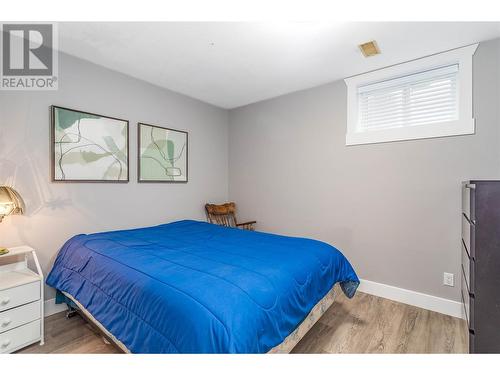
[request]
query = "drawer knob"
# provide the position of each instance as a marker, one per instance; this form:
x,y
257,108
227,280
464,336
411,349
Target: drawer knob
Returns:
x,y
6,322
5,301
5,343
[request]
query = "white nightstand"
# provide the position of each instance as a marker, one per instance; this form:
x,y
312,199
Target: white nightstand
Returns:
x,y
21,300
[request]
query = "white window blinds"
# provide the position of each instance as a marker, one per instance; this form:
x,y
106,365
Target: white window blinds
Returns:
x,y
417,99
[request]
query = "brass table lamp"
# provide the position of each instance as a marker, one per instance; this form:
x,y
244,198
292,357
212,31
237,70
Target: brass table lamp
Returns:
x,y
11,203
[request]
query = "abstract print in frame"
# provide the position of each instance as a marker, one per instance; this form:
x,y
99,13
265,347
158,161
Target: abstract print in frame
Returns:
x,y
87,147
162,153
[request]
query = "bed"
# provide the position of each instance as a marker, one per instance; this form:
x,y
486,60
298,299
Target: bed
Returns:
x,y
195,287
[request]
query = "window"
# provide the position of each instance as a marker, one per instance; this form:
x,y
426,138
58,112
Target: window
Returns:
x,y
424,98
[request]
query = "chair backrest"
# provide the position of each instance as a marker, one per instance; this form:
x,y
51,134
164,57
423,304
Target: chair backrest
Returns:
x,y
221,214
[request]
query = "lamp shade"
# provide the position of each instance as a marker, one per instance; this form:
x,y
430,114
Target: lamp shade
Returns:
x,y
11,202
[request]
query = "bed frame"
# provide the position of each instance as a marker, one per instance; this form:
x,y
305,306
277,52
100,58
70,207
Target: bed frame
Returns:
x,y
284,348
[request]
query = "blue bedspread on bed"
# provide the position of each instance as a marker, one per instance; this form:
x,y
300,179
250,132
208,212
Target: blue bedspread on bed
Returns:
x,y
194,287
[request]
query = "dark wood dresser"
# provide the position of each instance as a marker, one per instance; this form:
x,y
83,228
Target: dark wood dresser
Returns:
x,y
481,263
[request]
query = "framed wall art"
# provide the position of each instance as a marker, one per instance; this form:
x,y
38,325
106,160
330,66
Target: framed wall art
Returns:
x,y
87,147
162,154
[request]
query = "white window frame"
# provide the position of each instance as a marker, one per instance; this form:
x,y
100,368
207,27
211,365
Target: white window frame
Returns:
x,y
464,125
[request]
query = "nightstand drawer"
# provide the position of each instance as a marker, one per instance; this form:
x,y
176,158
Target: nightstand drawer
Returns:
x,y
18,316
19,295
19,337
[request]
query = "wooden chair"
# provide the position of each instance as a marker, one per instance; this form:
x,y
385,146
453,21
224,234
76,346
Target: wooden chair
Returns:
x,y
224,214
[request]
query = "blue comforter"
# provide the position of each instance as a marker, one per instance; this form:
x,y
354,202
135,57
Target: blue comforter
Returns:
x,y
194,287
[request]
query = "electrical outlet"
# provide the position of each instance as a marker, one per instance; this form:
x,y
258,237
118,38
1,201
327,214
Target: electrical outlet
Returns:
x,y
448,279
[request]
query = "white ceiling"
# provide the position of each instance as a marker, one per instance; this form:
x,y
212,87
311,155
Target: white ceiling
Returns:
x,y
234,64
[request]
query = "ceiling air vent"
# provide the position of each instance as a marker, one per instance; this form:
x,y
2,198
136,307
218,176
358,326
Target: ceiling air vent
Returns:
x,y
369,48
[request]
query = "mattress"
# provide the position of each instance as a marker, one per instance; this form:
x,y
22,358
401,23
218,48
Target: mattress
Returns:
x,y
194,287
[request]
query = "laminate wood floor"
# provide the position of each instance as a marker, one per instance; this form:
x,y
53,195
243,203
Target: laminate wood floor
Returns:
x,y
364,324
370,324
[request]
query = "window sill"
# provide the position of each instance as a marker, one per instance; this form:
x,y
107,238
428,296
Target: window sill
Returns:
x,y
448,129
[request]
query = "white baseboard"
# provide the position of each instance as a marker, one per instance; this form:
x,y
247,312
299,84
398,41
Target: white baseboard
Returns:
x,y
50,307
410,297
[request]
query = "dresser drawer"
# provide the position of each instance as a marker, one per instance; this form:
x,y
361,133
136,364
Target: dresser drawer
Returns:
x,y
19,337
468,236
465,282
468,269
471,340
468,303
18,316
19,295
468,200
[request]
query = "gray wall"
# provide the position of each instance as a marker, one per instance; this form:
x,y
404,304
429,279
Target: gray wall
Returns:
x,y
57,211
392,208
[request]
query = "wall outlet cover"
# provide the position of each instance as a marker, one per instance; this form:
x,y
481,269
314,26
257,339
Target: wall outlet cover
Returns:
x,y
448,279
